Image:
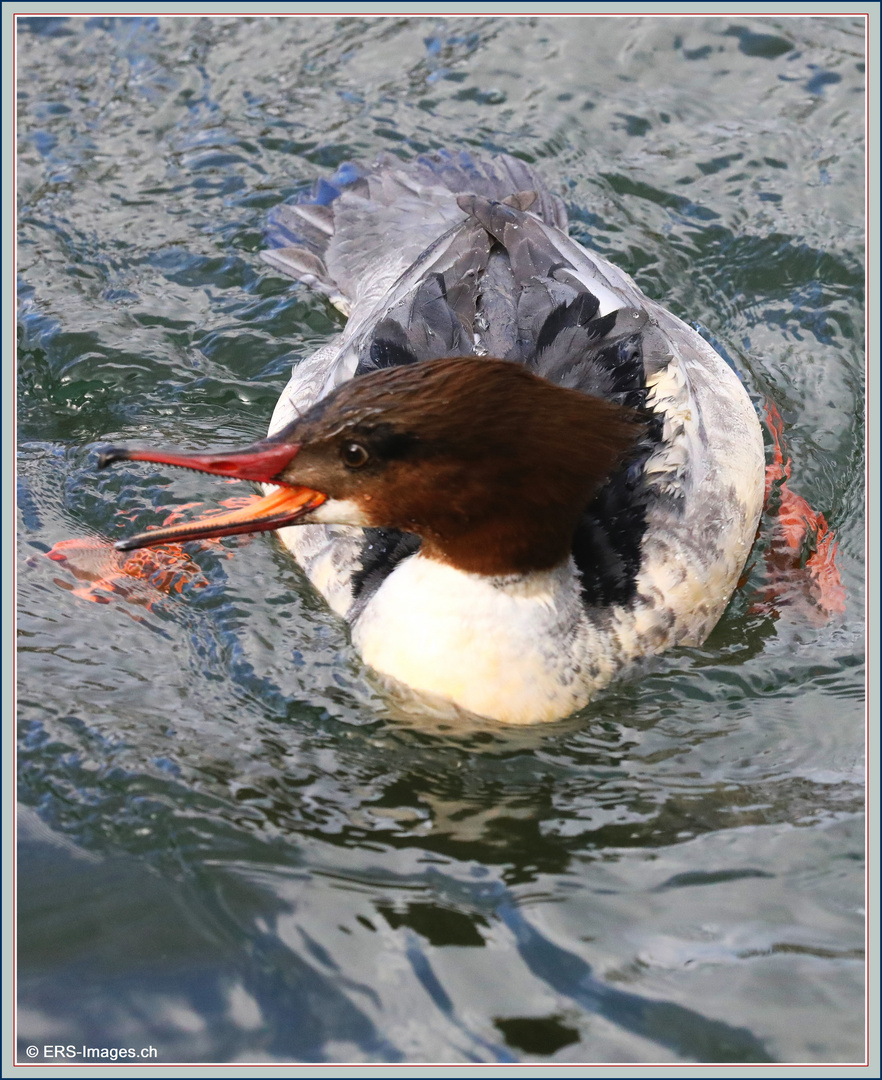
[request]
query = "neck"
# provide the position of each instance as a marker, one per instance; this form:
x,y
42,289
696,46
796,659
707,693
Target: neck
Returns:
x,y
511,648
500,549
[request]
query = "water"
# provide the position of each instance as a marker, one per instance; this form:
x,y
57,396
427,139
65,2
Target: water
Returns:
x,y
231,849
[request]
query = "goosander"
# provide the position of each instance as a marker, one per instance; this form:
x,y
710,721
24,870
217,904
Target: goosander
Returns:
x,y
512,473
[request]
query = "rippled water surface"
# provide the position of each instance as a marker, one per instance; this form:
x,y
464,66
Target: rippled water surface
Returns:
x,y
231,848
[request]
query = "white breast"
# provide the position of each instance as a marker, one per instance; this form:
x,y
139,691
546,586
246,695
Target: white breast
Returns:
x,y
506,648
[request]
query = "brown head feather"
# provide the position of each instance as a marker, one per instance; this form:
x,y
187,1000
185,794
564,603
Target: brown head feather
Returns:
x,y
491,465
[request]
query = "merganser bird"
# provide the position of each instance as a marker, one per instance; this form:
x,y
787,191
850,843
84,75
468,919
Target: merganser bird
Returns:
x,y
512,473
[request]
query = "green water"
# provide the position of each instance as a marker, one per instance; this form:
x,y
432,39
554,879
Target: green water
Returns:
x,y
230,850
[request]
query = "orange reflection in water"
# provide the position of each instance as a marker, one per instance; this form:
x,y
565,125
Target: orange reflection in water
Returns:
x,y
136,576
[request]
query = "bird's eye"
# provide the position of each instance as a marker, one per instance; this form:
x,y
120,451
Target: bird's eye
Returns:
x,y
354,455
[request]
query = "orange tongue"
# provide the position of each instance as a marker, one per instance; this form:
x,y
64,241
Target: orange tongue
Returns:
x,y
282,507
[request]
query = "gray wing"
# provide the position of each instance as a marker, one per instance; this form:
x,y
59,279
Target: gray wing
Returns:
x,y
358,232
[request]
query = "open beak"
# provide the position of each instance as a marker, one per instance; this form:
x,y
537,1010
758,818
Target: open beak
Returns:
x,y
261,462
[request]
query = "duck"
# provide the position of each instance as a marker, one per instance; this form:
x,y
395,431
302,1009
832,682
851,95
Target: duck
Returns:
x,y
511,473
